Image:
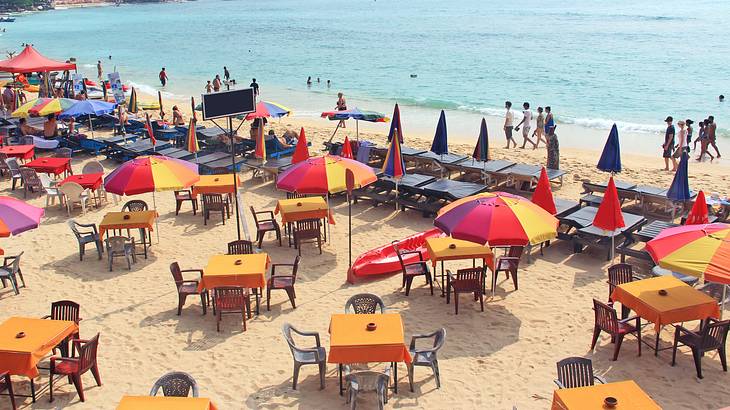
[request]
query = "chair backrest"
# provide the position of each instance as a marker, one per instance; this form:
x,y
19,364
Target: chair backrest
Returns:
x,y
368,380
65,310
213,201
618,274
230,298
27,140
241,247
515,251
45,181
135,205
13,164
714,334
439,339
575,372
400,257
293,195
606,318
176,273
175,384
87,354
255,217
15,266
220,171
62,153
72,191
3,161
30,177
93,167
296,351
308,228
72,224
364,303
116,244
474,275
295,268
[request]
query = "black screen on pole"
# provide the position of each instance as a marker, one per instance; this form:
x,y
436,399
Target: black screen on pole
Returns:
x,y
228,103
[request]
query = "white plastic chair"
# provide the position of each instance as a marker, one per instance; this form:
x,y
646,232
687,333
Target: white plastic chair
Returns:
x,y
75,194
93,167
52,191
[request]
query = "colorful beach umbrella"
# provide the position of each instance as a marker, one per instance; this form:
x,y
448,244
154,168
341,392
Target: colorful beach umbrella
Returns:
x,y
132,105
192,108
301,151
151,173
698,215
481,150
268,109
696,250
192,137
346,149
355,114
41,107
260,149
610,160
609,216
440,144
17,216
395,125
394,165
679,190
324,175
543,195
497,218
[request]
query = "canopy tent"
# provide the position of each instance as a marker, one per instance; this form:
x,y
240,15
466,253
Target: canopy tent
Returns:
x,y
30,60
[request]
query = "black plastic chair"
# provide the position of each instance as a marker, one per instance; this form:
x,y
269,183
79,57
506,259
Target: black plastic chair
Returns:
x,y
712,336
175,384
10,271
364,303
6,384
576,372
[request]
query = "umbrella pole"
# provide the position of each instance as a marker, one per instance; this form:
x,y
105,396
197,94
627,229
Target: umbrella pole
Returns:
x,y
157,225
357,130
333,134
724,295
235,176
396,194
91,126
349,230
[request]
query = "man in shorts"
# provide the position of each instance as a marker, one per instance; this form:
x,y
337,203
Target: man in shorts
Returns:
x,y
711,129
525,123
668,145
509,118
163,76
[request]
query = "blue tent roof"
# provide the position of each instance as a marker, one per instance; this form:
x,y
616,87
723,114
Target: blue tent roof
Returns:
x,y
440,144
611,156
88,107
679,191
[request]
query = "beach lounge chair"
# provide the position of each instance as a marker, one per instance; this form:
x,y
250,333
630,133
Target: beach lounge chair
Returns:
x,y
85,234
367,381
469,280
10,271
412,269
263,225
576,372
175,384
607,321
240,247
27,140
508,263
121,246
364,303
274,149
427,357
52,191
7,385
65,310
183,195
231,300
305,355
31,182
712,336
188,287
215,203
73,194
308,231
284,282
14,169
75,367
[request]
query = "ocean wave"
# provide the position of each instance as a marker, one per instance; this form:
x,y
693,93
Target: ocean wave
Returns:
x,y
151,90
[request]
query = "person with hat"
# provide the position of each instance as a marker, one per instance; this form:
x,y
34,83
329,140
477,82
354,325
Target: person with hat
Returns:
x,y
668,145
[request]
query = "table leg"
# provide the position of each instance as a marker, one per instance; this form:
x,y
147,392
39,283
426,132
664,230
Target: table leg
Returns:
x,y
656,344
259,293
443,293
395,377
32,389
144,245
339,372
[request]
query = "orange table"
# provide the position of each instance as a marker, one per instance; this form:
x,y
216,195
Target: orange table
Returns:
x,y
135,220
165,403
55,166
222,270
20,356
439,249
23,152
351,342
628,394
215,184
682,303
297,209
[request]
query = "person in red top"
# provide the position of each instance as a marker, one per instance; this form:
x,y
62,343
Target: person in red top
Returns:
x,y
163,77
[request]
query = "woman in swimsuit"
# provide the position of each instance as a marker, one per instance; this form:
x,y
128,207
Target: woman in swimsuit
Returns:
x,y
341,106
540,128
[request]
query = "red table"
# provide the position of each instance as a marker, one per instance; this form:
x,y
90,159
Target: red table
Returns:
x,y
87,181
19,151
55,166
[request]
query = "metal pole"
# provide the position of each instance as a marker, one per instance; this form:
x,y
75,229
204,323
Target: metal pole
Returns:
x,y
724,295
349,232
235,176
91,126
157,226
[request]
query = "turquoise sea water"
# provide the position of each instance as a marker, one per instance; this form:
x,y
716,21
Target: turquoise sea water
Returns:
x,y
594,62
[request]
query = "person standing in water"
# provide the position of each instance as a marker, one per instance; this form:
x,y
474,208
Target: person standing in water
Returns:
x,y
226,74
208,87
509,118
255,87
163,76
217,83
539,132
668,146
99,70
309,81
525,123
341,106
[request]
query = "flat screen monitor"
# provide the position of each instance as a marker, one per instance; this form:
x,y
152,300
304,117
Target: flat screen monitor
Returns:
x,y
228,103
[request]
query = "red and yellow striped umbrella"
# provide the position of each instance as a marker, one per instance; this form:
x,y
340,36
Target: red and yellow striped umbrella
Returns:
x,y
151,173
696,250
322,175
497,218
41,107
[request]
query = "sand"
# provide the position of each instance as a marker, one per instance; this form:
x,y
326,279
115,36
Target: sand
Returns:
x,y
499,358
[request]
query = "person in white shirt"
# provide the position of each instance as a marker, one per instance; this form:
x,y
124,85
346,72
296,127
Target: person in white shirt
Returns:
x,y
509,119
681,147
525,123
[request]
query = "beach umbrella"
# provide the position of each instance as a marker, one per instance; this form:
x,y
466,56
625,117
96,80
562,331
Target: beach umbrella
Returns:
x,y
17,216
497,218
192,138
679,190
394,166
150,131
609,216
87,108
481,150
132,105
260,150
159,100
698,215
192,108
324,175
610,160
41,107
346,149
301,151
355,114
104,91
268,109
440,145
543,195
395,125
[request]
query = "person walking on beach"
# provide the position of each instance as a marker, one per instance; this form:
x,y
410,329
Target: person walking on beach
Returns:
x,y
217,83
668,145
711,130
509,118
690,131
341,106
679,151
704,142
525,123
255,87
553,149
163,76
539,132
549,121
226,74
9,98
700,135
99,70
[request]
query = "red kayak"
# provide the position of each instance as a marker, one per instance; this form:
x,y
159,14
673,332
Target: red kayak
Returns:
x,y
384,260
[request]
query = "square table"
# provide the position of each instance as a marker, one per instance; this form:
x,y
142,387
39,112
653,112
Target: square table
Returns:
x,y
440,249
249,273
165,403
297,209
23,152
682,303
55,166
136,220
628,394
351,342
215,184
91,182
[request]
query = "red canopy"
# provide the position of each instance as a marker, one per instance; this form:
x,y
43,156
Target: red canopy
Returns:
x,y
30,60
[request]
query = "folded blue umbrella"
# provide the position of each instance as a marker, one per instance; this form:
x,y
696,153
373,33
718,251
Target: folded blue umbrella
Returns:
x,y
440,145
88,107
679,191
611,156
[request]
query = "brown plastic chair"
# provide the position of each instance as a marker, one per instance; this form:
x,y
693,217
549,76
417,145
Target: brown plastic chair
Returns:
x,y
508,264
469,280
7,384
175,384
74,367
31,182
607,321
619,274
264,225
712,336
65,310
240,247
215,203
285,282
231,300
308,231
412,269
183,195
188,287
576,372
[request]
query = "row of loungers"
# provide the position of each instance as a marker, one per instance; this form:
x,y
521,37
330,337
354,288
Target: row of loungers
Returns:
x,y
653,201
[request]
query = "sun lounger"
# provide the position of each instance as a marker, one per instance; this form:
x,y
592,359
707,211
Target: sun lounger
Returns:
x,y
483,169
659,206
274,149
208,168
643,235
177,153
565,206
429,198
383,190
210,157
581,232
524,177
434,163
626,191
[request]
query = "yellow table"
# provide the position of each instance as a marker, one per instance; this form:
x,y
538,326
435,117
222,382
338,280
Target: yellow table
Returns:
x,y
134,220
224,270
441,249
215,184
20,355
165,403
628,394
297,209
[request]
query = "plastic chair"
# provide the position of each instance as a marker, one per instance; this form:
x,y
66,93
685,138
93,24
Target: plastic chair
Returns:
x,y
308,231
469,280
285,282
74,368
712,336
367,381
86,236
364,303
31,182
6,384
508,264
231,300
65,310
10,271
576,372
215,203
4,165
52,191
607,321
427,357
305,355
121,246
182,196
63,153
412,269
240,247
175,384
14,169
74,194
92,167
268,224
188,287
135,205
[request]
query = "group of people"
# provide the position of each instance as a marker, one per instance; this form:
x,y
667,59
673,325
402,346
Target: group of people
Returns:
x,y
49,131
676,143
544,131
309,82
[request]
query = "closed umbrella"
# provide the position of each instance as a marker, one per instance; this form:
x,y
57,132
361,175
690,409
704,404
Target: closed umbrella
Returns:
x,y
132,105
394,166
346,149
609,216
395,125
543,195
610,160
301,151
698,215
440,144
481,150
